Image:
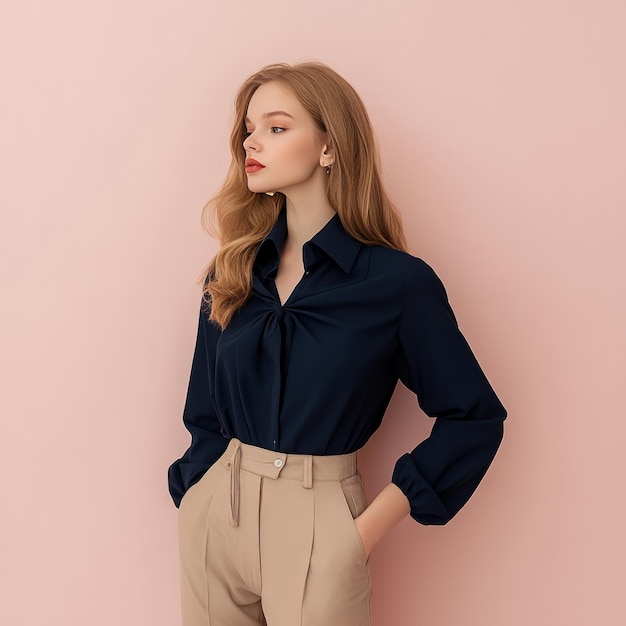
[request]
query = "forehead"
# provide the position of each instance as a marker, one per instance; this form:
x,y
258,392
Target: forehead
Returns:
x,y
274,96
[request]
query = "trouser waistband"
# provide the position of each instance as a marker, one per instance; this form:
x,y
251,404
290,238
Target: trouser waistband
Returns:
x,y
271,464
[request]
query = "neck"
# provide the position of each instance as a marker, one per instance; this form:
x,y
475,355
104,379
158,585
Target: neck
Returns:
x,y
307,213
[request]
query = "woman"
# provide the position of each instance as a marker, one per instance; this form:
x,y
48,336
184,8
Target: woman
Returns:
x,y
312,312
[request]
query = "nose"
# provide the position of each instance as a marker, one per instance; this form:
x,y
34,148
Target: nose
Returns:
x,y
250,143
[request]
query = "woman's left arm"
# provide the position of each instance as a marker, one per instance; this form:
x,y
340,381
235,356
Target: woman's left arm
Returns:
x,y
435,479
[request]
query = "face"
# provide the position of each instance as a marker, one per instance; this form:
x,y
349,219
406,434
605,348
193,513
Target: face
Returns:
x,y
285,150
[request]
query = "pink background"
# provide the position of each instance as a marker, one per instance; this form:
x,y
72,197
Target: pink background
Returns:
x,y
502,128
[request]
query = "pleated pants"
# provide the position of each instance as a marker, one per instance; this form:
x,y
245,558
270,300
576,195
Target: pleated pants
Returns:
x,y
269,538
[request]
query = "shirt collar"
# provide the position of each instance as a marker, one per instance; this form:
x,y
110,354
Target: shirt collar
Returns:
x,y
331,240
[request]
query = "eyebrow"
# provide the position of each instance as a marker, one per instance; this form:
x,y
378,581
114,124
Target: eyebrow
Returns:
x,y
272,114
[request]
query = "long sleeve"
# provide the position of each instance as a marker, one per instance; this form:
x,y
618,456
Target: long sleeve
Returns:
x,y
436,363
199,415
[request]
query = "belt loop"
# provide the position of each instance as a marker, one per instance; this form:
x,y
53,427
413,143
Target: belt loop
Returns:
x,y
235,465
307,478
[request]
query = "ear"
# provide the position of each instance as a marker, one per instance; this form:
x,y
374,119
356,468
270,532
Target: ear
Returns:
x,y
327,157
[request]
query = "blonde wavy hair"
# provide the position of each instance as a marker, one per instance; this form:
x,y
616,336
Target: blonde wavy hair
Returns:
x,y
240,218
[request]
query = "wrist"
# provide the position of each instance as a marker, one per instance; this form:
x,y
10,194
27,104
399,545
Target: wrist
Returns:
x,y
388,508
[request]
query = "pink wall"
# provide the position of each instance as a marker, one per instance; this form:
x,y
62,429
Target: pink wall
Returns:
x,y
503,135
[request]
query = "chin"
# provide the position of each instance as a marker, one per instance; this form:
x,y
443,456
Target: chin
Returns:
x,y
257,187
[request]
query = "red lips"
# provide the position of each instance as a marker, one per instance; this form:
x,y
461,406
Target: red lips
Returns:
x,y
252,165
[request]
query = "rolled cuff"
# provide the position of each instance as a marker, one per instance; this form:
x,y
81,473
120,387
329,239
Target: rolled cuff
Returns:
x,y
181,476
426,506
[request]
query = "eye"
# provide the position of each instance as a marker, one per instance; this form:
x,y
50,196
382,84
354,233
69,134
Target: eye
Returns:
x,y
277,129
246,133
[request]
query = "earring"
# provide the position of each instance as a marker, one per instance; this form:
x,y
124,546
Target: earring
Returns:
x,y
270,193
328,168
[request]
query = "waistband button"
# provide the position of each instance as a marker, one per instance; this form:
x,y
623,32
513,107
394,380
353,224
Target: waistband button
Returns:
x,y
278,463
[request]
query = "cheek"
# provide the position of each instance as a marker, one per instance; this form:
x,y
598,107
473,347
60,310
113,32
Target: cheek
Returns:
x,y
302,152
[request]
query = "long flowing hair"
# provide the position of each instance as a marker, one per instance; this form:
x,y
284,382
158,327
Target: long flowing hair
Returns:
x,y
240,218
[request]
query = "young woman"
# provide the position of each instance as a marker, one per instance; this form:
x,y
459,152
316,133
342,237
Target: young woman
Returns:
x,y
312,311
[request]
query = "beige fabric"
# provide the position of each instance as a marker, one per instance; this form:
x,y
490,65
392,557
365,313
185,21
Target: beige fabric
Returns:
x,y
269,538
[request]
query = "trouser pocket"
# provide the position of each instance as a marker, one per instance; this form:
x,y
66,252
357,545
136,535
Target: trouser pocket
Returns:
x,y
356,502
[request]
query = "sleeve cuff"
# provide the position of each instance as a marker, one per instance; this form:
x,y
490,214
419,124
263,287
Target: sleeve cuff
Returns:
x,y
426,506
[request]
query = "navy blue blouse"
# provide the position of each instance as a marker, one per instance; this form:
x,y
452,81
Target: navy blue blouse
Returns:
x,y
315,375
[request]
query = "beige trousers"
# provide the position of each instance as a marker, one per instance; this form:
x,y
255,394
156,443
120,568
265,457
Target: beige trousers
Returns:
x,y
269,538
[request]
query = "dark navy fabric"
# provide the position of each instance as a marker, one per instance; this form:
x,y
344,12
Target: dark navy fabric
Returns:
x,y
315,376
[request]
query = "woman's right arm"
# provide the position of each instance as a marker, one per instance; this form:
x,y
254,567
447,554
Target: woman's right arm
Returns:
x,y
199,415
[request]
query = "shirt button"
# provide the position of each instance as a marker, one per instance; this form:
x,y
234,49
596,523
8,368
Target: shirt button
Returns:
x,y
278,463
